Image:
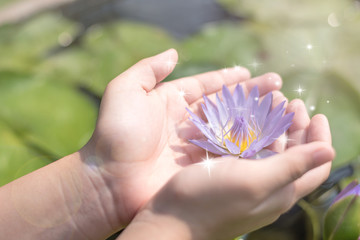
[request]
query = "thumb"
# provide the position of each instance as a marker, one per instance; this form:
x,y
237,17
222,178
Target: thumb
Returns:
x,y
148,72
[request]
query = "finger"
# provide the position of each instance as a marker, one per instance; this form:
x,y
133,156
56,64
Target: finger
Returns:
x,y
291,165
212,82
279,201
266,83
196,86
311,180
148,72
319,129
280,144
297,132
278,97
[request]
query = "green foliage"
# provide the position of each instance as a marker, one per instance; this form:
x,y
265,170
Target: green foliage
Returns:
x,y
330,94
4,3
42,118
106,51
23,46
223,44
52,116
16,158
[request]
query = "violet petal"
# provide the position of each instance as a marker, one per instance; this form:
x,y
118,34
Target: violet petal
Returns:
x,y
239,96
253,100
209,146
232,147
202,126
228,99
264,109
224,118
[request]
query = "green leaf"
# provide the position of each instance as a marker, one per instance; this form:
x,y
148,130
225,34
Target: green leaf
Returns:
x,y
23,46
223,45
346,56
342,220
51,116
75,67
291,49
16,159
5,3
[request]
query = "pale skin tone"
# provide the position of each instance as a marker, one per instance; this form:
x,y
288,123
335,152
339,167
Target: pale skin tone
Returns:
x,y
139,163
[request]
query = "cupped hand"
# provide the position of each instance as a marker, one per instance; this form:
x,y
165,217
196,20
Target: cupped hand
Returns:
x,y
141,137
228,197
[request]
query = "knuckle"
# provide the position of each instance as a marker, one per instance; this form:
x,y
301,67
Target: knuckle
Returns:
x,y
296,171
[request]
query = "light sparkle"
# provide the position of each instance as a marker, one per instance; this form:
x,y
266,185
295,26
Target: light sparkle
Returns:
x,y
182,93
255,65
169,64
283,140
208,163
300,90
237,68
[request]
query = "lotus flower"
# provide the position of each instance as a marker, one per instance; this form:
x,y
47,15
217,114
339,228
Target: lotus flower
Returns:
x,y
241,127
342,221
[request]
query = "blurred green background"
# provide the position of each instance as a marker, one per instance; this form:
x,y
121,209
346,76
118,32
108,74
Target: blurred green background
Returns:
x,y
56,62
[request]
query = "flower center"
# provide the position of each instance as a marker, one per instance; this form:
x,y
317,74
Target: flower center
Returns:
x,y
240,133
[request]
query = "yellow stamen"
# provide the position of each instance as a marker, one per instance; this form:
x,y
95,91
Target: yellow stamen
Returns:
x,y
245,143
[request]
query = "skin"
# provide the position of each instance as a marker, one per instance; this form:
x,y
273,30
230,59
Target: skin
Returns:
x,y
156,144
139,163
238,196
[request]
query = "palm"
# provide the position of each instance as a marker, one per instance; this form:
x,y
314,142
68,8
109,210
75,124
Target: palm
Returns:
x,y
143,124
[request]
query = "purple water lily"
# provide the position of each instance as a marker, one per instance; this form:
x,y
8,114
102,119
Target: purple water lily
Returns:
x,y
241,127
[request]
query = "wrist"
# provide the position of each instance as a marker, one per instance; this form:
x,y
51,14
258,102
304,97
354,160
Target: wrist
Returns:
x,y
85,197
98,196
114,180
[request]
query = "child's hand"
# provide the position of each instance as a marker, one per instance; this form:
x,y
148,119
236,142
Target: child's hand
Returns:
x,y
141,137
235,196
